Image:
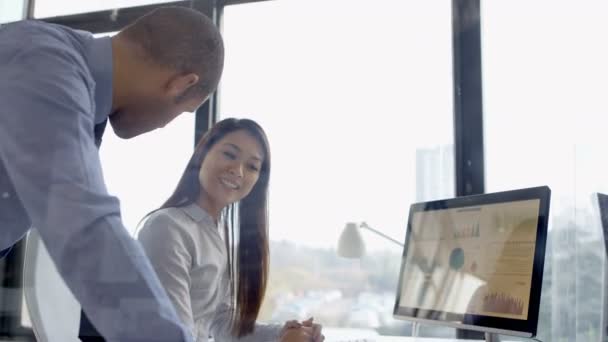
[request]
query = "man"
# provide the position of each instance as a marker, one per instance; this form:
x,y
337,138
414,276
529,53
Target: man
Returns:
x,y
56,85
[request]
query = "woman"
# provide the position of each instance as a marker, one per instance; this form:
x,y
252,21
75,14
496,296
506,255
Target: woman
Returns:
x,y
209,242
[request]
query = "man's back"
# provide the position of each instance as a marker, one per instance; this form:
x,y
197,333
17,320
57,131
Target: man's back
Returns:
x,y
17,40
56,85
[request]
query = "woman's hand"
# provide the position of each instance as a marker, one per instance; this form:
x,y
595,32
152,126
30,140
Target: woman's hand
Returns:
x,y
291,324
296,333
306,331
316,330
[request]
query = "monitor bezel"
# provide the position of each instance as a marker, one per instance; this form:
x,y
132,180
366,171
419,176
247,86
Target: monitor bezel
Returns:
x,y
492,324
600,209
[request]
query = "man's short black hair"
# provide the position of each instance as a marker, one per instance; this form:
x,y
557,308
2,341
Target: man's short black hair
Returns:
x,y
182,39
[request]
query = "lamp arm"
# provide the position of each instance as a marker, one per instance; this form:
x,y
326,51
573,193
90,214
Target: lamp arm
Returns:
x,y
364,225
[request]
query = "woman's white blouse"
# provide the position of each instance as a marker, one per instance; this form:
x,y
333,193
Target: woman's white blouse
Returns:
x,y
186,249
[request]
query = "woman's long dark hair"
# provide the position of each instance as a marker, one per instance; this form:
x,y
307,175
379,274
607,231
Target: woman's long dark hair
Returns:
x,y
248,218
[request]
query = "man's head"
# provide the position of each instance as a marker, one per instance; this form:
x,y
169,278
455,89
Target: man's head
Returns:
x,y
165,63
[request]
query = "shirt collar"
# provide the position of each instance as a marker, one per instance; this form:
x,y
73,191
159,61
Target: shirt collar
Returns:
x,y
198,214
99,56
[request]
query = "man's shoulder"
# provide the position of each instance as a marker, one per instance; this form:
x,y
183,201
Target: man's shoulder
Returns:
x,y
48,54
34,36
37,29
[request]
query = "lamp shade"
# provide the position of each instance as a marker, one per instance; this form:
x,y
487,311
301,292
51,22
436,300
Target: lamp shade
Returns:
x,y
350,244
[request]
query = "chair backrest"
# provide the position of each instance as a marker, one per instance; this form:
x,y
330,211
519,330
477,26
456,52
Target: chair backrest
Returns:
x,y
54,311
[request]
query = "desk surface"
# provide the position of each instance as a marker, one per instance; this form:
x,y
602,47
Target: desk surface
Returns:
x,y
403,339
395,339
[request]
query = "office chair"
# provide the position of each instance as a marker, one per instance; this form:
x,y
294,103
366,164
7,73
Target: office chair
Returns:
x,y
53,309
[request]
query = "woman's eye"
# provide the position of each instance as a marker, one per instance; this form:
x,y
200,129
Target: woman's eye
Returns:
x,y
254,168
230,155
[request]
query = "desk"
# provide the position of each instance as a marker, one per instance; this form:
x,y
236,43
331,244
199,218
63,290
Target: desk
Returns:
x,y
404,339
396,339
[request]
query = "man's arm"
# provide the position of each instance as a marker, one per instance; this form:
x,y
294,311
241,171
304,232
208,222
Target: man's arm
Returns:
x,y
46,142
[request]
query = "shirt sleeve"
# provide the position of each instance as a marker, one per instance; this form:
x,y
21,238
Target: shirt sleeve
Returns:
x,y
220,326
169,249
47,145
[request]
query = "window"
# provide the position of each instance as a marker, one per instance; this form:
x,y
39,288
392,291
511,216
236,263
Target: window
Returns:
x,y
357,105
53,8
12,10
143,171
545,77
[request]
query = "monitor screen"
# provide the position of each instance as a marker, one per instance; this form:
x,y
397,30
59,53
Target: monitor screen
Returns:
x,y
476,262
600,204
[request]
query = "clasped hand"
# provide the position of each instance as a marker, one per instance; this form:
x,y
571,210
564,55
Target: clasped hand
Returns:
x,y
306,331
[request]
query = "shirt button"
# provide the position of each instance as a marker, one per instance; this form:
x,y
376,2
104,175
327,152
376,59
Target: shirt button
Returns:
x,y
5,195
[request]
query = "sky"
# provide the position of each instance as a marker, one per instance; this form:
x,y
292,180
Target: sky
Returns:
x,y
348,92
545,109
346,99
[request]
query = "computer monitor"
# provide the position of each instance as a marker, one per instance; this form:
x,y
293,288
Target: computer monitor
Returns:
x,y
476,262
600,204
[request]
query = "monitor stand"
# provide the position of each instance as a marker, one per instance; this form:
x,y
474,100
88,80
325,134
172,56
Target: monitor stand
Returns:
x,y
415,326
490,337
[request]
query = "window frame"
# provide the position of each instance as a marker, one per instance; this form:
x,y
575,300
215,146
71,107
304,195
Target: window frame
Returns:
x,y
467,117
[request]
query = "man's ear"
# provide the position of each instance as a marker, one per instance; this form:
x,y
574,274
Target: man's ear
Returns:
x,y
180,84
